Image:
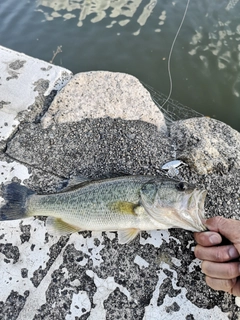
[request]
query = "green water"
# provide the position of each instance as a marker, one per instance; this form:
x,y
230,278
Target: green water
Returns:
x,y
135,37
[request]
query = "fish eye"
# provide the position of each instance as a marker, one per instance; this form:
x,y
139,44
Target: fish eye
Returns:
x,y
181,186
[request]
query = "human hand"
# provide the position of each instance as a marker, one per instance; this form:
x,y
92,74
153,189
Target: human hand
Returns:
x,y
219,265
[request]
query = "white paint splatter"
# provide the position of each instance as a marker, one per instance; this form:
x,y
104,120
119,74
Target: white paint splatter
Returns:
x,y
79,306
156,238
88,247
155,312
11,170
141,262
104,288
195,263
33,255
237,301
176,262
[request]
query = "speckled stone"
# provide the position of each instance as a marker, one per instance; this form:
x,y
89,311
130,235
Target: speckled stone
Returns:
x,y
206,144
100,94
92,147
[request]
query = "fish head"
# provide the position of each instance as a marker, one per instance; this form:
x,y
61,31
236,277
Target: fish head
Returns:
x,y
174,204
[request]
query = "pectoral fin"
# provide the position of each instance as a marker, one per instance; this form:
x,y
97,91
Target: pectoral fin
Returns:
x,y
59,227
127,235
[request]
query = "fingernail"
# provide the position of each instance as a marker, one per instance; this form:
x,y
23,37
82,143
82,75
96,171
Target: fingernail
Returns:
x,y
233,253
214,239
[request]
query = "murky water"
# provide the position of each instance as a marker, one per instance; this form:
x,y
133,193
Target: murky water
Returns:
x,y
135,37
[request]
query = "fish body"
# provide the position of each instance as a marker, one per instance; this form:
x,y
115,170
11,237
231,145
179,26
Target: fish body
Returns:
x,y
109,204
124,204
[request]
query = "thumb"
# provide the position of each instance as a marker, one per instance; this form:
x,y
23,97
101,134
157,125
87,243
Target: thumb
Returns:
x,y
229,228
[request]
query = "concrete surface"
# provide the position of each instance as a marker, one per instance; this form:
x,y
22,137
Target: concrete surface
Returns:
x,y
25,84
89,275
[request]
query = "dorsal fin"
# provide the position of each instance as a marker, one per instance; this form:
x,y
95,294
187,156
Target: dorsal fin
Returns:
x,y
77,181
73,183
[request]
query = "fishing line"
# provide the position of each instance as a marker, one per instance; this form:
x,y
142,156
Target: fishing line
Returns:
x,y
170,54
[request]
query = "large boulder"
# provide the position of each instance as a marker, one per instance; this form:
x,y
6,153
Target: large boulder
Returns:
x,y
101,94
206,144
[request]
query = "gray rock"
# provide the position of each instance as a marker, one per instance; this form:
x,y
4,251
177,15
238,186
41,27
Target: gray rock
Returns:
x,y
206,144
100,94
92,147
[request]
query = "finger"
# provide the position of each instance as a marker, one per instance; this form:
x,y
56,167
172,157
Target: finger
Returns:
x,y
224,285
227,271
208,238
236,288
229,228
216,254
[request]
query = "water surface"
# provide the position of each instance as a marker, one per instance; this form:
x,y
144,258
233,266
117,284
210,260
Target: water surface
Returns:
x,y
135,37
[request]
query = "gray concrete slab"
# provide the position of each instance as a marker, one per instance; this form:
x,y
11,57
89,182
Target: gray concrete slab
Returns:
x,y
25,82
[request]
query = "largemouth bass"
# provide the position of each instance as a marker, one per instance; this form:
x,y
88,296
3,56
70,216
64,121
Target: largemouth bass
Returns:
x,y
124,204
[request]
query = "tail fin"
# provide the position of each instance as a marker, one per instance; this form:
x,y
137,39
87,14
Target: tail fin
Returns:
x,y
15,196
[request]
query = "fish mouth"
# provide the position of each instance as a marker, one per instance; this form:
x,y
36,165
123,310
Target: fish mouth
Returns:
x,y
202,196
195,209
